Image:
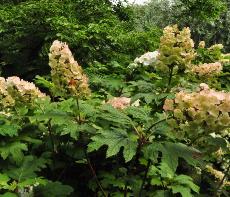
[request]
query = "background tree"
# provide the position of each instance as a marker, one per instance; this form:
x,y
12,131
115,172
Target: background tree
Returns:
x,y
96,30
208,20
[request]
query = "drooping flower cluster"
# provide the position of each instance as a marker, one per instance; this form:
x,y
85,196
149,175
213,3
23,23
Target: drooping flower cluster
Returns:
x,y
66,74
122,102
147,58
206,108
176,49
14,91
207,70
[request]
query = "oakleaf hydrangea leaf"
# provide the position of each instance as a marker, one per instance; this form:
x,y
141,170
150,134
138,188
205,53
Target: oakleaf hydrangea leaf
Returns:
x,y
115,139
15,149
188,181
10,130
184,191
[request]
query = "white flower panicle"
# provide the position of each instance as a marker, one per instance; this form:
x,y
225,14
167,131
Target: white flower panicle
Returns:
x,y
147,58
5,98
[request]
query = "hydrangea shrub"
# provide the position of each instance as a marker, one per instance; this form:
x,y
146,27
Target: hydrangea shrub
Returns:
x,y
160,133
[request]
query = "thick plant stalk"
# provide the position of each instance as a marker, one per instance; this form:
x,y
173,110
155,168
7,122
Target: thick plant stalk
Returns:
x,y
145,177
78,108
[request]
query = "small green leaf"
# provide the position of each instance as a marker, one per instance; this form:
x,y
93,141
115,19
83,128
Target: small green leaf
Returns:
x,y
140,113
172,151
9,130
166,171
15,149
54,189
8,194
162,193
156,181
3,180
33,181
188,181
184,191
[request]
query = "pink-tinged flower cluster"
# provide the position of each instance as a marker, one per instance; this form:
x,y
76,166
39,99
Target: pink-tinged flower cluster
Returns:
x,y
122,102
66,74
14,90
24,88
119,102
207,70
205,108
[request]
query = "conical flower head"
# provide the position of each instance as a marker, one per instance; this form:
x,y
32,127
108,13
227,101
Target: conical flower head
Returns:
x,y
66,74
176,48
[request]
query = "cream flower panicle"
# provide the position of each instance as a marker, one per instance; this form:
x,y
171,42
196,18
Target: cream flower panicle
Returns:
x,y
25,88
3,85
206,107
66,74
218,175
14,90
216,46
176,49
201,44
207,70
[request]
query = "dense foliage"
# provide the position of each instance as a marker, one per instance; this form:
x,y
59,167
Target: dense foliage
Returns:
x,y
141,112
157,127
207,19
96,30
